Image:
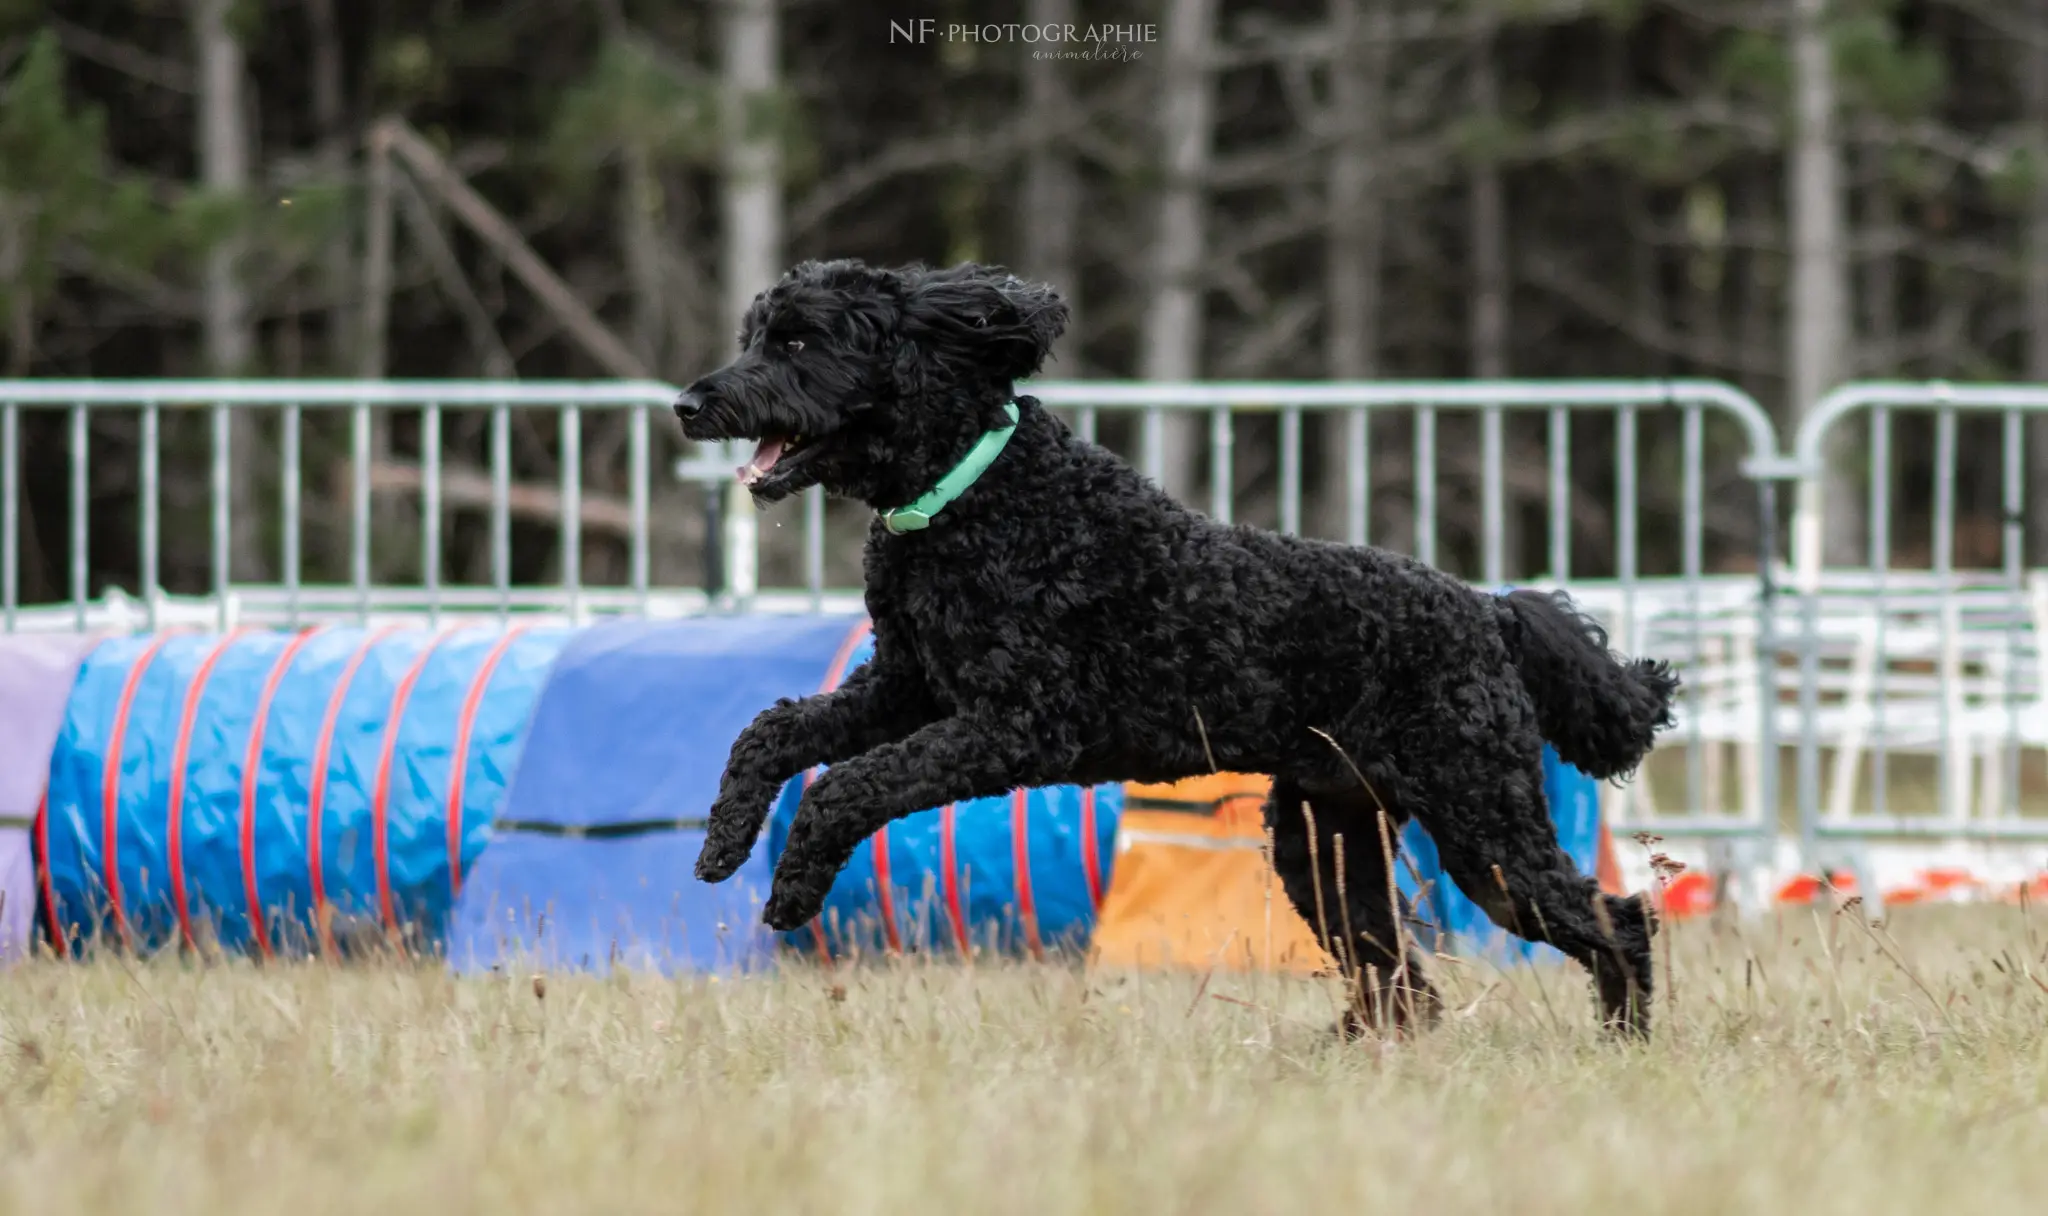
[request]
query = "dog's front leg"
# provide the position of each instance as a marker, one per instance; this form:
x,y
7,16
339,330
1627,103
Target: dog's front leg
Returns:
x,y
949,760
877,703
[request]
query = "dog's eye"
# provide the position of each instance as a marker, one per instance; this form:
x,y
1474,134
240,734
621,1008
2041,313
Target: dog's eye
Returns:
x,y
793,345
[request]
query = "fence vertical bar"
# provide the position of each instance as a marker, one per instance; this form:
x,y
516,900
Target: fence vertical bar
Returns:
x,y
290,458
430,510
1290,470
1767,666
1425,485
1084,423
1944,570
1809,742
814,545
637,458
1625,489
572,508
80,504
1880,563
150,511
1625,539
1560,494
223,505
1153,444
501,507
359,527
1492,521
10,512
2015,448
1222,463
1692,525
1358,482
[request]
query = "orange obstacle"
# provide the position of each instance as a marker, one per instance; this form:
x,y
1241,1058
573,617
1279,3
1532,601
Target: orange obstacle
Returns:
x,y
1193,887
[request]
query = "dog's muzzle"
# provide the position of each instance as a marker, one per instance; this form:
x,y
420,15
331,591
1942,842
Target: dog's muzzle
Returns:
x,y
689,404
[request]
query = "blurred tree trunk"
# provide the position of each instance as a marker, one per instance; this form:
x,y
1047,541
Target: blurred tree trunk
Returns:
x,y
2034,79
227,317
1880,289
1487,224
1880,349
751,193
751,207
1361,32
330,117
1819,322
641,241
1052,188
1172,336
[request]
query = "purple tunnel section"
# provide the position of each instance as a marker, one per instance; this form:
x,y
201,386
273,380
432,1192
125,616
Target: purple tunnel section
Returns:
x,y
36,675
279,792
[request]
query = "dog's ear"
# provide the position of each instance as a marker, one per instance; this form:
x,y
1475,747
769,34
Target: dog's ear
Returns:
x,y
1005,323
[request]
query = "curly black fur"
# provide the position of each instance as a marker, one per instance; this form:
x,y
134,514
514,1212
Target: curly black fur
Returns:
x,y
1066,621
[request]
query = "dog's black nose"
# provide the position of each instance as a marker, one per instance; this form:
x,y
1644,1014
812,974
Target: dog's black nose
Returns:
x,y
690,404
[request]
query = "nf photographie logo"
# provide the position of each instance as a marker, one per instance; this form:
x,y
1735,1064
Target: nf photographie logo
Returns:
x,y
1048,41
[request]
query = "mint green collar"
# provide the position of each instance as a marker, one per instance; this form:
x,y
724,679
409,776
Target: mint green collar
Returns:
x,y
918,515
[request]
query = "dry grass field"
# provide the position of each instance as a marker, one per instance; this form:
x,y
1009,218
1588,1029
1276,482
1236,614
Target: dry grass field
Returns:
x,y
1802,1064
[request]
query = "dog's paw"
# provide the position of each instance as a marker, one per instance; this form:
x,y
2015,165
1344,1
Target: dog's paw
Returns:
x,y
719,865
735,825
791,907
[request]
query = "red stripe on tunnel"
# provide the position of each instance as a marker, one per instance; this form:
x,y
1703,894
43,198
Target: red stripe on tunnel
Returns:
x,y
885,892
316,792
110,786
1091,858
252,764
458,758
174,813
42,847
949,873
1020,860
834,674
380,801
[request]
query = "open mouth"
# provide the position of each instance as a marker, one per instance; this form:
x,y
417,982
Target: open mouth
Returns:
x,y
783,451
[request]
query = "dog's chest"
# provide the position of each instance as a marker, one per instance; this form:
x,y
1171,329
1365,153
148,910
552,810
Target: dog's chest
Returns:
x,y
978,619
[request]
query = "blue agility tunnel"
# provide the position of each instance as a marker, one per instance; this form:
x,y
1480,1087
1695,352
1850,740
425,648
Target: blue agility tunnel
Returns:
x,y
592,860
529,794
1022,873
274,792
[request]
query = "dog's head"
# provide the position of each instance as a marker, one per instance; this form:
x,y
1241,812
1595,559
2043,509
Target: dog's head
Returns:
x,y
872,382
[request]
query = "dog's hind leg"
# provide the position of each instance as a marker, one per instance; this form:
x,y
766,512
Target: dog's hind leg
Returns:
x,y
1343,889
1480,795
950,760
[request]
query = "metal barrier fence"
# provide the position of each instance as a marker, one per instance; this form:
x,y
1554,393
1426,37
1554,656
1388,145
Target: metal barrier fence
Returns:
x,y
415,493
95,421
1926,684
426,482
1725,441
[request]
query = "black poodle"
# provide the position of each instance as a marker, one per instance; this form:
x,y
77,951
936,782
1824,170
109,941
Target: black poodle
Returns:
x,y
1044,615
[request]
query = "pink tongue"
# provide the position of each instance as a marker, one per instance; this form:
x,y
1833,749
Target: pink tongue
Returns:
x,y
764,459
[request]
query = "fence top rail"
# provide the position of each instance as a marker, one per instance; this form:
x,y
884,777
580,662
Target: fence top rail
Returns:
x,y
1098,394
600,393
1807,444
1475,394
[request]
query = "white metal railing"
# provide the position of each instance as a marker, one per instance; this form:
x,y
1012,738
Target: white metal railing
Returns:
x,y
1857,667
1947,673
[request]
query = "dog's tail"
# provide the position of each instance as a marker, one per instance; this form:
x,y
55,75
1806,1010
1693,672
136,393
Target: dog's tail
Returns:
x,y
1600,712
